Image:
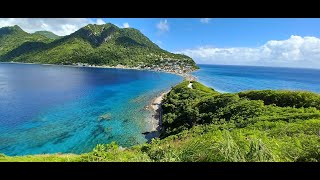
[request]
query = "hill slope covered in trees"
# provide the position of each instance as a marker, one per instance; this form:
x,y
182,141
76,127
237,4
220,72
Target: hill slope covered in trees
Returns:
x,y
47,34
91,45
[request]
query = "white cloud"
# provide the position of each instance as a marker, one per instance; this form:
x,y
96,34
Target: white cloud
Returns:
x,y
205,20
125,25
100,21
59,26
296,51
163,26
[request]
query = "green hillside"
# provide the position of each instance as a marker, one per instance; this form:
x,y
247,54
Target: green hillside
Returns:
x,y
14,37
47,34
93,45
202,125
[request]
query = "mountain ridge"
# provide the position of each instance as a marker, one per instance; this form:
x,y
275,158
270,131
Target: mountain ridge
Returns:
x,y
48,34
91,45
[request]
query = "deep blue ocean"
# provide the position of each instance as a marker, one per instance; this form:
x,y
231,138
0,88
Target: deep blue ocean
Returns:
x,y
226,78
50,109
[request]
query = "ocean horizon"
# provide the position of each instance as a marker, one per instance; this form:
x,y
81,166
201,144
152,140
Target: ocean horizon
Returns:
x,y
236,78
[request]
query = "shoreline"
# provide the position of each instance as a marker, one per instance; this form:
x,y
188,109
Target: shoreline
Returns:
x,y
186,76
154,121
155,107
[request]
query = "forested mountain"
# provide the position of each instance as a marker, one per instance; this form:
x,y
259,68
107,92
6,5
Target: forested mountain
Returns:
x,y
48,34
14,37
93,44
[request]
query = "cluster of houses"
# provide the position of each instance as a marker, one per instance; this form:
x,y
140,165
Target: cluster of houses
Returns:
x,y
177,66
169,65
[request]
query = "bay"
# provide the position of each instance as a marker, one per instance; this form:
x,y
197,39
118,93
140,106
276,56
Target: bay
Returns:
x,y
51,109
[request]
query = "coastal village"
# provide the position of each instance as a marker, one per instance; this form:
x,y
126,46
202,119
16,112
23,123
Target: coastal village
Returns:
x,y
169,65
176,66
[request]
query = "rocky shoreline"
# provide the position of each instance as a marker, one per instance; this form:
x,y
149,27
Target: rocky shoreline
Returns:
x,y
155,119
156,107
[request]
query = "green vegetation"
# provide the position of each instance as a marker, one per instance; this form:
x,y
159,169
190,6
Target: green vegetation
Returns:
x,y
179,111
284,98
201,124
41,158
113,153
14,37
91,45
47,34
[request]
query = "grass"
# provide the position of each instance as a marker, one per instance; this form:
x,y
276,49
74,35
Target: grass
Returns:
x,y
42,158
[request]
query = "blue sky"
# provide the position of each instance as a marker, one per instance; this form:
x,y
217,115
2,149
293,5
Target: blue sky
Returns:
x,y
290,42
221,32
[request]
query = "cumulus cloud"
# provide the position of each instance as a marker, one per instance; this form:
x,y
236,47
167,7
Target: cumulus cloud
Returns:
x,y
205,20
100,21
296,51
59,26
163,26
125,25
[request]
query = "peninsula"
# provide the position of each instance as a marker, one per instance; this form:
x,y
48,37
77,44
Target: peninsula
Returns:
x,y
203,125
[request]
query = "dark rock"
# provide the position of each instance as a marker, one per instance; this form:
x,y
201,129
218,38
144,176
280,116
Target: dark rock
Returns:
x,y
149,136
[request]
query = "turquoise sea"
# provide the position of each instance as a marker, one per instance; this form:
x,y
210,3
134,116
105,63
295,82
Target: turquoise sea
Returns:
x,y
51,109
